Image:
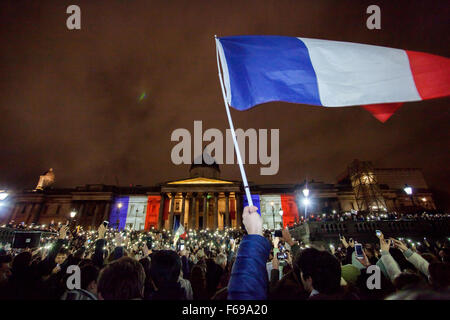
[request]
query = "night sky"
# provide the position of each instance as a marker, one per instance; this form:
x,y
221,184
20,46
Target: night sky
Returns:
x,y
70,99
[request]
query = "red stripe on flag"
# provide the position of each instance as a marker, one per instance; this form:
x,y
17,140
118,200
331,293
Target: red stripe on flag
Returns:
x,y
383,111
151,217
431,74
290,210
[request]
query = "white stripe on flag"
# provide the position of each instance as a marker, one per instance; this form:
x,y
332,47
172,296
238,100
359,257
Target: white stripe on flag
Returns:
x,y
358,74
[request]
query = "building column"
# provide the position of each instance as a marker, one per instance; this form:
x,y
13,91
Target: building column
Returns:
x,y
161,212
80,212
172,205
238,211
94,217
227,210
106,212
192,211
182,208
205,210
36,213
216,210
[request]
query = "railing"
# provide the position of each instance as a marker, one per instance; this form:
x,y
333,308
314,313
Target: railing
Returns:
x,y
327,231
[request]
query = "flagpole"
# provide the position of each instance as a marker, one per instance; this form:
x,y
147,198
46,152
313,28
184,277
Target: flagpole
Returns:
x,y
233,133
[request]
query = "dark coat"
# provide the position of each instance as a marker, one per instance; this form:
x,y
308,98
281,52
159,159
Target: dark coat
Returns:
x,y
289,287
249,280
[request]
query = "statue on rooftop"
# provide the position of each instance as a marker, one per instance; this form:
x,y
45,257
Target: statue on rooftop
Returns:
x,y
45,180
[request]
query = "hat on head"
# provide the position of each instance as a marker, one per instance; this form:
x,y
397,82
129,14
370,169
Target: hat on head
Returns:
x,y
350,273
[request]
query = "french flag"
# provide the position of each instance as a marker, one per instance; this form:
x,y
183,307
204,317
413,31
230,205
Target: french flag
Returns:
x,y
260,69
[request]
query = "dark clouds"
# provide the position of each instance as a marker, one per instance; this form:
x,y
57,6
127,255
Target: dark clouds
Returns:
x,y
69,99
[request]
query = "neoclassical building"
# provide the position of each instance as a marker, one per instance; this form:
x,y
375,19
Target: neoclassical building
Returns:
x,y
206,200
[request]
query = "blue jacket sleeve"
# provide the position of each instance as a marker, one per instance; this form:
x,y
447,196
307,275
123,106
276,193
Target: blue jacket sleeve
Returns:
x,y
249,280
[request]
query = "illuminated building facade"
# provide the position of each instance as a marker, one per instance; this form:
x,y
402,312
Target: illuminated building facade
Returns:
x,y
205,200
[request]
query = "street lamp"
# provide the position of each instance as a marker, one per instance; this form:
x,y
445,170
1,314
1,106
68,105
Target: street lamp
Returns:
x,y
306,192
3,195
273,214
73,213
409,191
306,199
119,205
306,202
281,214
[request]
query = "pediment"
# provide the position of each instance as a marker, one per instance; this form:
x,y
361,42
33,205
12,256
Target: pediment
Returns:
x,y
200,180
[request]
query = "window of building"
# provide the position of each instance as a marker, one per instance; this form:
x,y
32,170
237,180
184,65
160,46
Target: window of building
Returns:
x,y
58,209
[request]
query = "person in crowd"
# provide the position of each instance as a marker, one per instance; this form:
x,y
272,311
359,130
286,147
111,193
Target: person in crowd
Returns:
x,y
289,287
198,282
165,272
320,273
5,268
88,290
122,279
249,280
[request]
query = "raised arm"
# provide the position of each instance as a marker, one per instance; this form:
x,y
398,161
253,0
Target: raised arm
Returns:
x,y
416,259
388,261
46,266
295,248
97,258
249,279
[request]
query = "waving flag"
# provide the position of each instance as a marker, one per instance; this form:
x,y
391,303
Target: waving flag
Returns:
x,y
180,232
259,69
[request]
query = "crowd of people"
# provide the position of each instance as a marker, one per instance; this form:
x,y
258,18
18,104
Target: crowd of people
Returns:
x,y
221,264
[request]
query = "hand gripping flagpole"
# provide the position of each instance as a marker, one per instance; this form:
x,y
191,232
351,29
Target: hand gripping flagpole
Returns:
x,y
233,134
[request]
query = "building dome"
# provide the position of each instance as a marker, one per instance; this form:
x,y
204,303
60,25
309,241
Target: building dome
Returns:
x,y
208,168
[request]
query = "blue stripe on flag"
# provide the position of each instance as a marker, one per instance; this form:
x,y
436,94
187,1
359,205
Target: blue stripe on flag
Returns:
x,y
255,200
118,216
269,68
176,223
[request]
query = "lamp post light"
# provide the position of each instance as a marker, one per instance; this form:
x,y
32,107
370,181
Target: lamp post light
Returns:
x,y
306,192
409,191
306,202
306,199
273,214
281,214
72,215
3,195
119,205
